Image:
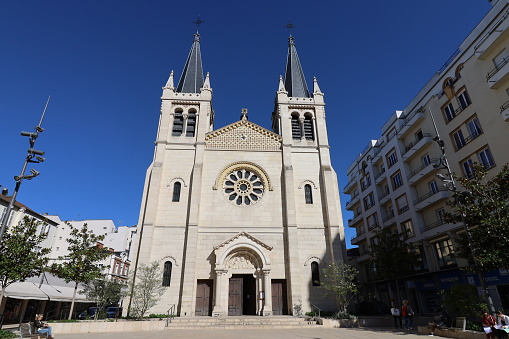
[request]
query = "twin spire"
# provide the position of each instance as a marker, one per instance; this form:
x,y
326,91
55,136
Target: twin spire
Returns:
x,y
192,79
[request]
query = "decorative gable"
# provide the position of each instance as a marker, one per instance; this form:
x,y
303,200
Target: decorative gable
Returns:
x,y
243,135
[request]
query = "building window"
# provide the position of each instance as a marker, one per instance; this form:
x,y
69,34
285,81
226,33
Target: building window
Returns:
x,y
308,128
308,194
464,100
391,133
369,201
315,273
191,124
421,262
178,124
392,158
176,191
407,228
445,253
425,160
296,133
365,182
440,213
486,159
433,186
449,112
397,181
468,169
167,273
459,140
474,128
402,204
372,221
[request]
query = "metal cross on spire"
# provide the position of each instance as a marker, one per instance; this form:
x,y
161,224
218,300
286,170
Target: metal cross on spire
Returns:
x,y
289,25
198,22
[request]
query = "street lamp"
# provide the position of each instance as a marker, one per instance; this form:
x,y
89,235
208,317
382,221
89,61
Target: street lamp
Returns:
x,y
33,156
450,184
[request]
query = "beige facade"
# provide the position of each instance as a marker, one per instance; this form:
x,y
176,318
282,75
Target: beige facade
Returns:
x,y
237,216
393,183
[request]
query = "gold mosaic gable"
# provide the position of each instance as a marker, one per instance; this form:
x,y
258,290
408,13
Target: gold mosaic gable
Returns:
x,y
243,135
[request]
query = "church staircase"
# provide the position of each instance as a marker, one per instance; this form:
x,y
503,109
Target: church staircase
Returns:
x,y
241,322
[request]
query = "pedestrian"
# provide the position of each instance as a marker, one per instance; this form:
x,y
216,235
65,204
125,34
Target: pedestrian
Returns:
x,y
503,320
437,321
408,314
396,314
488,321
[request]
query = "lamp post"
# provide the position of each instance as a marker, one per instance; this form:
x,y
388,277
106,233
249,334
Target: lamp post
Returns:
x,y
450,184
33,156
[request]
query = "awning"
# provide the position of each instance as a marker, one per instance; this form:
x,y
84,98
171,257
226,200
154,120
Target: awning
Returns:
x,y
62,293
25,290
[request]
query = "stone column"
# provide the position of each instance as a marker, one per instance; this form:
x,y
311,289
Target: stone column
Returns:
x,y
218,310
301,125
267,309
184,124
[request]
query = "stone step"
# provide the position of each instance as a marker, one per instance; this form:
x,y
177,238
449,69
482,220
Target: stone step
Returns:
x,y
240,322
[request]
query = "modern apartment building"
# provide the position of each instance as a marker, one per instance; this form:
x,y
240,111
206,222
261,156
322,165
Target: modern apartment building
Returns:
x,y
394,184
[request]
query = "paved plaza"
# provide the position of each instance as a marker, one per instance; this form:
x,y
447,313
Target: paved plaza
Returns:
x,y
318,333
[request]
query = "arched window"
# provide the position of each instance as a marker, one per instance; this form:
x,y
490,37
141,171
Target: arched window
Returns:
x,y
176,192
191,124
315,273
178,124
296,134
308,128
167,273
308,194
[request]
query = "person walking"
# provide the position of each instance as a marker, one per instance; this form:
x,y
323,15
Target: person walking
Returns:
x,y
408,314
396,314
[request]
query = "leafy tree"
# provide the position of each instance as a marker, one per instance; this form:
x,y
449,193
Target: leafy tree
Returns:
x,y
393,257
146,290
462,300
20,254
81,264
484,205
338,279
104,292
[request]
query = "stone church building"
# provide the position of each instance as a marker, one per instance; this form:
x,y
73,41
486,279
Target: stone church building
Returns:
x,y
241,218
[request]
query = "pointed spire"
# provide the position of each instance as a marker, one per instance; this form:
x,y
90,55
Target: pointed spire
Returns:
x,y
192,77
206,84
316,88
281,88
295,83
170,84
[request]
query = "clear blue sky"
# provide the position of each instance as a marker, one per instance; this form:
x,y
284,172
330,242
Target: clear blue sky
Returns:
x,y
104,63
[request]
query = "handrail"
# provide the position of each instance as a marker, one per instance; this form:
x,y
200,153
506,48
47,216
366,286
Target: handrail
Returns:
x,y
171,314
319,310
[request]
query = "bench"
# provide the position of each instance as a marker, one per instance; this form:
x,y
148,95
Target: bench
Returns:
x,y
27,330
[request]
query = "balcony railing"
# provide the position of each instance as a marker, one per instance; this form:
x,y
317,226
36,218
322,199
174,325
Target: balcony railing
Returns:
x,y
359,233
403,209
421,168
349,183
374,225
352,199
413,143
388,217
497,68
466,140
504,107
430,194
383,195
431,226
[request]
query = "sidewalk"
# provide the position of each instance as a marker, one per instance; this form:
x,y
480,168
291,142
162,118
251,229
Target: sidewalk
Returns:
x,y
318,333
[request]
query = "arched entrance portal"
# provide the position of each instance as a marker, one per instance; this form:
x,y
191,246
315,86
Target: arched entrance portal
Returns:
x,y
242,277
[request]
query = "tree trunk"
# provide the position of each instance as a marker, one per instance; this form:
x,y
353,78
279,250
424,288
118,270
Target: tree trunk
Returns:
x,y
72,303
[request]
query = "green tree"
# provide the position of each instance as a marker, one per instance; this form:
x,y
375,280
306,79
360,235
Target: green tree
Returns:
x,y
146,290
484,205
393,256
104,292
21,256
81,265
338,279
462,300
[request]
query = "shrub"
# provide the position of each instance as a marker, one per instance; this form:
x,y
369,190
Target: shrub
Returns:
x,y
343,315
474,326
7,334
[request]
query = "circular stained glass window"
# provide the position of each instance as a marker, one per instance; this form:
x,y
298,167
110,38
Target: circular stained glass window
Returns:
x,y
243,187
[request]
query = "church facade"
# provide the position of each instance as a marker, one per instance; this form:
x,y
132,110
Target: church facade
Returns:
x,y
241,218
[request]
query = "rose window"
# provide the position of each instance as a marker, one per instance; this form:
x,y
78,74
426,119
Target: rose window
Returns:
x,y
243,187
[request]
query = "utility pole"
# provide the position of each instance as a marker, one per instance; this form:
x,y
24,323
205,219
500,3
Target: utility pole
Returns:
x,y
33,156
450,184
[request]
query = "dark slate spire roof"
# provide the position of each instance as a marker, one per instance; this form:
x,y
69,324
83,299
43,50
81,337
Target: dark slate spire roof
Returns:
x,y
192,77
295,83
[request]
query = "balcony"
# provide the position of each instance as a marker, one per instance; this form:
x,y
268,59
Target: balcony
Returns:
x,y
459,144
388,217
431,226
504,111
403,209
421,172
350,184
500,73
410,121
383,198
358,237
365,185
412,148
490,41
355,220
352,201
431,198
381,177
373,225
